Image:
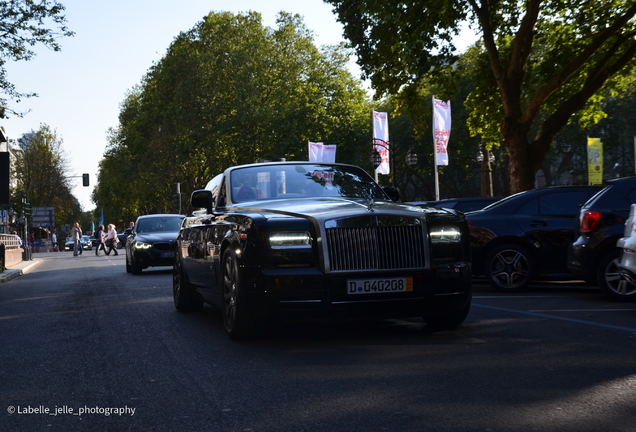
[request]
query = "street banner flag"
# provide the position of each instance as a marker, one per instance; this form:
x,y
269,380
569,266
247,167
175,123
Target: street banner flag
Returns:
x,y
441,130
381,140
93,223
101,218
319,152
595,161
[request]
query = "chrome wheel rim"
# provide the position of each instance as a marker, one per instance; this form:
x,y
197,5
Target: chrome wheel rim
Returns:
x,y
510,269
617,284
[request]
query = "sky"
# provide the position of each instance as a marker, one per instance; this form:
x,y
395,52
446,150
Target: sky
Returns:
x,y
80,88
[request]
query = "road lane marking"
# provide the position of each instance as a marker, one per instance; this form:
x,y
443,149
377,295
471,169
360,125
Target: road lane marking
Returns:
x,y
557,318
582,310
516,297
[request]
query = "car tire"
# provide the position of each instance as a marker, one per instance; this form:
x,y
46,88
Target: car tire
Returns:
x,y
135,269
509,268
185,299
448,321
610,281
236,318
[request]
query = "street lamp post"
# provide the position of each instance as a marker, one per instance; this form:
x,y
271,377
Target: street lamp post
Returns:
x,y
375,159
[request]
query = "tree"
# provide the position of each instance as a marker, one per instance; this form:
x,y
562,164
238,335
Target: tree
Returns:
x,y
23,24
229,91
549,56
42,171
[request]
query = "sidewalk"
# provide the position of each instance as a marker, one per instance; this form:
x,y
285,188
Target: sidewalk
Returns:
x,y
19,269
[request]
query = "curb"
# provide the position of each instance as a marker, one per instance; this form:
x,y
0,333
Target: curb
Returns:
x,y
10,274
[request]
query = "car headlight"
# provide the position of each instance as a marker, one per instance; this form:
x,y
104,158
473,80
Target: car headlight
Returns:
x,y
143,245
445,234
289,239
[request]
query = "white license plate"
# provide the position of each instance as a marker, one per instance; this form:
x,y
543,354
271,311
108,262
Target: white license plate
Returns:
x,y
167,254
379,286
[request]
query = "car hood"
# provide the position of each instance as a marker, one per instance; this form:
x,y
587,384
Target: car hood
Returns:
x,y
155,237
335,208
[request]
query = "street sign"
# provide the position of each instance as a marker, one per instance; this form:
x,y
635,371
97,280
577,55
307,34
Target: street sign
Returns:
x,y
43,216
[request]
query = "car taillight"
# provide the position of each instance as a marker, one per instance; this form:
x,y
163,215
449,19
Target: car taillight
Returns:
x,y
589,221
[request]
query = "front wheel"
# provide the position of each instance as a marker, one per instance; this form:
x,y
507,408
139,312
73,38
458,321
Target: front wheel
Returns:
x,y
610,281
185,299
448,321
509,268
236,318
135,269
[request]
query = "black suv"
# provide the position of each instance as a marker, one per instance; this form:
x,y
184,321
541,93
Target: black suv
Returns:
x,y
525,235
600,224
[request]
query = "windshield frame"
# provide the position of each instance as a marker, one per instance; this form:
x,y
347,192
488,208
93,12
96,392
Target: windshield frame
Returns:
x,y
298,180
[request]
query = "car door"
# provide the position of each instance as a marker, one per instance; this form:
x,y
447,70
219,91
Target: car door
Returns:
x,y
213,236
547,223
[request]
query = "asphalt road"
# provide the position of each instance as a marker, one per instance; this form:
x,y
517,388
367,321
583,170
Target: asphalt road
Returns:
x,y
82,334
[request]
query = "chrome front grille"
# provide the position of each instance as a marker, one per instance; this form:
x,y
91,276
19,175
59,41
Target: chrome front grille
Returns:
x,y
376,248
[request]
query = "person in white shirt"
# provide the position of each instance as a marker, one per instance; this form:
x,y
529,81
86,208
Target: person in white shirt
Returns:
x,y
111,240
15,233
54,241
76,234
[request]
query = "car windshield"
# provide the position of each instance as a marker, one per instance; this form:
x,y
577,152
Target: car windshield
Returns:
x,y
159,224
269,182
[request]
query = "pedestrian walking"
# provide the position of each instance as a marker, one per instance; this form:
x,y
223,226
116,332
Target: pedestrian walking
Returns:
x,y
111,240
100,240
76,235
54,241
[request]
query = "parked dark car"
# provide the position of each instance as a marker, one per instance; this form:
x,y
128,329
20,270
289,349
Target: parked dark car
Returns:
x,y
151,242
593,255
526,235
309,241
85,243
461,204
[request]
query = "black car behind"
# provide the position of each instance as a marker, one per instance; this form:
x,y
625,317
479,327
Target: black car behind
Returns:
x,y
526,235
600,224
151,242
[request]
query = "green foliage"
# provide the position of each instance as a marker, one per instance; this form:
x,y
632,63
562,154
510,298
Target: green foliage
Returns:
x,y
24,24
538,62
229,91
41,170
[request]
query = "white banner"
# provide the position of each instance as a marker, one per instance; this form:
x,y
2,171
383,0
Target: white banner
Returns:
x,y
318,152
441,130
381,140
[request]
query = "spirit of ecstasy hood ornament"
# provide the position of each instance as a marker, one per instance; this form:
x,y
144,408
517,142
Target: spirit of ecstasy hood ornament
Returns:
x,y
370,205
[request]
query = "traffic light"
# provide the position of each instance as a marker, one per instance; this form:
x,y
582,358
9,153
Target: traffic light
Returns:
x,y
85,179
176,200
27,209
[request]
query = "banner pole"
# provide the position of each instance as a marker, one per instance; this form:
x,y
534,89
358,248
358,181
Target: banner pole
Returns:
x,y
435,154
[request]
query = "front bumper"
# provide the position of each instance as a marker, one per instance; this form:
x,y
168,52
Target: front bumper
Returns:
x,y
144,258
308,294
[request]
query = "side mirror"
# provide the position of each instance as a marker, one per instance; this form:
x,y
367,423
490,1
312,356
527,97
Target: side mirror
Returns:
x,y
392,192
202,199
